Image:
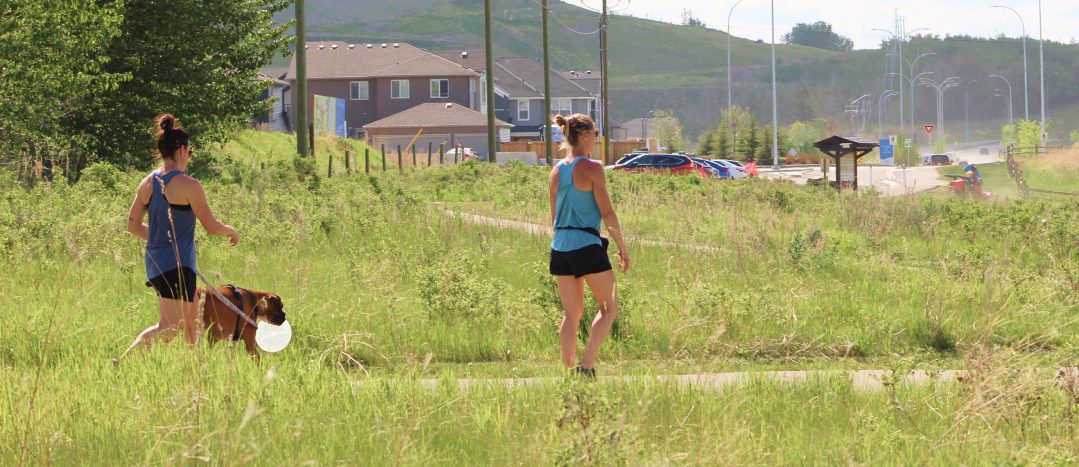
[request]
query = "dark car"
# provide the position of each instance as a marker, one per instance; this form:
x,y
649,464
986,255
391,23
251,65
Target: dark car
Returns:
x,y
718,170
676,164
938,159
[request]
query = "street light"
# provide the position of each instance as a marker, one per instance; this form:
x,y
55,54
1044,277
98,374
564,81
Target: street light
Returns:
x,y
881,103
729,99
854,111
775,100
900,38
1000,93
1041,53
1026,94
913,131
1011,120
941,88
966,108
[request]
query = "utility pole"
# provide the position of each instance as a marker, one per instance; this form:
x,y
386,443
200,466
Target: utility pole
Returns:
x,y
547,90
301,82
604,64
1041,53
729,76
492,132
775,105
1026,92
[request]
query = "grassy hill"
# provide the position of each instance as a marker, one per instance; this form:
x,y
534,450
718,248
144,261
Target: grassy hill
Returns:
x,y
683,68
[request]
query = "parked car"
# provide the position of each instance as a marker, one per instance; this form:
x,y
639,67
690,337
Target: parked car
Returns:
x,y
463,154
713,171
675,164
722,171
738,171
937,159
983,151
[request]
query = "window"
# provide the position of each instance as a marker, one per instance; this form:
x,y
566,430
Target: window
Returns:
x,y
523,113
399,89
359,91
562,106
440,88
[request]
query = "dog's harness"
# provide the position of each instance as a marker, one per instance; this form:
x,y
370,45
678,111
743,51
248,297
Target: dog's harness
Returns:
x,y
236,293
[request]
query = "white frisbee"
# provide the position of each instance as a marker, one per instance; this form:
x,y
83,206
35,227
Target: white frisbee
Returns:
x,y
272,338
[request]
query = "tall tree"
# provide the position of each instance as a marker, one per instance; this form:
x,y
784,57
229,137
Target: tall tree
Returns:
x,y
51,60
819,35
197,59
668,131
707,144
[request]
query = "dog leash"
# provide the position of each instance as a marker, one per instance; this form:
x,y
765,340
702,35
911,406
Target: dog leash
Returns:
x,y
228,302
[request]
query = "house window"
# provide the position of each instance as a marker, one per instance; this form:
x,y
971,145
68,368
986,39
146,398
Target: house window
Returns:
x,y
523,113
562,106
440,88
359,91
399,89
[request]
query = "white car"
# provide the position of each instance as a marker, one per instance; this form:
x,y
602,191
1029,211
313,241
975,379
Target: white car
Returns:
x,y
738,171
465,154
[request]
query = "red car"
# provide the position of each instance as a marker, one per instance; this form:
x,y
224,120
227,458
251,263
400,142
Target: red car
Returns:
x,y
675,164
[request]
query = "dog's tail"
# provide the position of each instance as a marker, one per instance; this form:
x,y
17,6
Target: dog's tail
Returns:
x,y
200,313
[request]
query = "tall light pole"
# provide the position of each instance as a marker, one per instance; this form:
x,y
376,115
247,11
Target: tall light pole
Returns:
x,y
999,93
549,145
966,108
900,36
882,102
1041,53
775,99
492,132
605,64
729,80
1011,121
1026,93
301,82
941,88
911,78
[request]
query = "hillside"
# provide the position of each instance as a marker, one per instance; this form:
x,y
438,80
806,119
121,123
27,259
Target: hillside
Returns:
x,y
660,65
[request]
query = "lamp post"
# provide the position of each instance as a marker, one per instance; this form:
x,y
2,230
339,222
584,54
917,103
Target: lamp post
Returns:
x,y
1041,53
966,107
1026,93
941,88
1000,93
775,104
882,102
853,109
729,80
1011,119
912,78
900,38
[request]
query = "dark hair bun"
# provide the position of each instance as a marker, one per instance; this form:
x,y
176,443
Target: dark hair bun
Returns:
x,y
166,122
560,120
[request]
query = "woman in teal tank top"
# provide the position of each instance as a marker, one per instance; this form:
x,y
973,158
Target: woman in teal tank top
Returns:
x,y
579,203
174,201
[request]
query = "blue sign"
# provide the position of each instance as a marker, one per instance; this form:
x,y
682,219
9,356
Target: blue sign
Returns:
x,y
887,152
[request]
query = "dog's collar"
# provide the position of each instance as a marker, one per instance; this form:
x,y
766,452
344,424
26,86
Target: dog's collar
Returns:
x,y
238,294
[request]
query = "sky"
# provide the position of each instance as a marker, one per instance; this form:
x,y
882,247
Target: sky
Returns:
x,y
856,19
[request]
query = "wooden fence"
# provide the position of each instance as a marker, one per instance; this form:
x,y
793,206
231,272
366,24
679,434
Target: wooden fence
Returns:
x,y
539,148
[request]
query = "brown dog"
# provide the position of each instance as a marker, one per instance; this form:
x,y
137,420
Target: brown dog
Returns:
x,y
223,324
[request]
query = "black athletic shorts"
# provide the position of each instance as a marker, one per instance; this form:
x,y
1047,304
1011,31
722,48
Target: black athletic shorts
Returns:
x,y
168,285
591,259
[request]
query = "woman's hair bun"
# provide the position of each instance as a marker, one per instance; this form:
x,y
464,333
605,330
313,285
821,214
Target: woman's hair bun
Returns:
x,y
560,120
166,122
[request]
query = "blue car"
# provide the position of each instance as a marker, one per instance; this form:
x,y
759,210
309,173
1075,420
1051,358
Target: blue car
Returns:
x,y
718,170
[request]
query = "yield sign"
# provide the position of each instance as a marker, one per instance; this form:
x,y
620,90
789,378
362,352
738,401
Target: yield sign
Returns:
x,y
929,129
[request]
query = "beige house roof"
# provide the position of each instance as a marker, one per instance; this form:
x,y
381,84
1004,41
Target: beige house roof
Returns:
x,y
328,60
435,115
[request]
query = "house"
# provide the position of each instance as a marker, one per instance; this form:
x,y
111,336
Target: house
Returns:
x,y
434,124
519,97
380,80
276,119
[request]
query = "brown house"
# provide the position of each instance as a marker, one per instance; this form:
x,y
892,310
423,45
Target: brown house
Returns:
x,y
435,124
380,80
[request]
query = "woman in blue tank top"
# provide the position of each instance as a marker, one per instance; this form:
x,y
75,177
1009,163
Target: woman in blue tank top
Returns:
x,y
579,202
173,201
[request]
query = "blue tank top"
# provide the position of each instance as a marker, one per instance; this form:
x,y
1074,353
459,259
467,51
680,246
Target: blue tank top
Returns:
x,y
171,244
574,208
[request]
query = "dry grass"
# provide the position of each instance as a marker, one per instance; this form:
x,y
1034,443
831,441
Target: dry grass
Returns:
x,y
1061,159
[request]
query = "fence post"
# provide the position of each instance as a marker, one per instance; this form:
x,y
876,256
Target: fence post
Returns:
x,y
329,165
383,157
441,154
311,137
348,163
413,154
456,152
400,160
367,161
429,145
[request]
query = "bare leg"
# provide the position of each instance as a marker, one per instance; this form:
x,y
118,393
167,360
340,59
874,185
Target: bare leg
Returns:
x,y
168,325
604,290
571,291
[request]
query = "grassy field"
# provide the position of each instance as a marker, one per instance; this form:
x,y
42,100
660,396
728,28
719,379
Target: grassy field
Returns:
x,y
1056,171
383,290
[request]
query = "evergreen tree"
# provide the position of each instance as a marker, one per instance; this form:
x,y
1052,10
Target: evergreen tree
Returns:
x,y
706,146
722,143
764,152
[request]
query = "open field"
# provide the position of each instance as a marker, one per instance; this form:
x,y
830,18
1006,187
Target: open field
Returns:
x,y
382,288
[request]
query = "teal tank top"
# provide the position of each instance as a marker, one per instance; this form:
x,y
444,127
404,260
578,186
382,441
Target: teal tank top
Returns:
x,y
574,208
168,249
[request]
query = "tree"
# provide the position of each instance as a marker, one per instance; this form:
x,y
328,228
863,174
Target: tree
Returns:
x,y
196,59
1007,135
689,20
722,147
751,143
819,35
736,133
764,151
706,145
51,66
802,136
668,131
1028,136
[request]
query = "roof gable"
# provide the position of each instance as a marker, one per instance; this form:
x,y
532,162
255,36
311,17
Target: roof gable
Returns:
x,y
436,115
328,60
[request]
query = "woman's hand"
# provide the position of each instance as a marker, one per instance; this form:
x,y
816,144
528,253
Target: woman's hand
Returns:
x,y
623,259
234,236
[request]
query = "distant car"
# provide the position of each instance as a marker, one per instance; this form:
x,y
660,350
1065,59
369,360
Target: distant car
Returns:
x,y
738,171
938,159
713,170
462,154
722,171
675,164
983,151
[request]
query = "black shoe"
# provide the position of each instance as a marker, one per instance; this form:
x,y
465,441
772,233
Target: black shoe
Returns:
x,y
587,373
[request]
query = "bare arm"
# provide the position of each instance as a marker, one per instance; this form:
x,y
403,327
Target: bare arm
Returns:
x,y
138,211
606,209
553,182
196,196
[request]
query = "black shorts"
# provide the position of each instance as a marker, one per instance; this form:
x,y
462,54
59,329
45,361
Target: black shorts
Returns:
x,y
175,284
591,259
